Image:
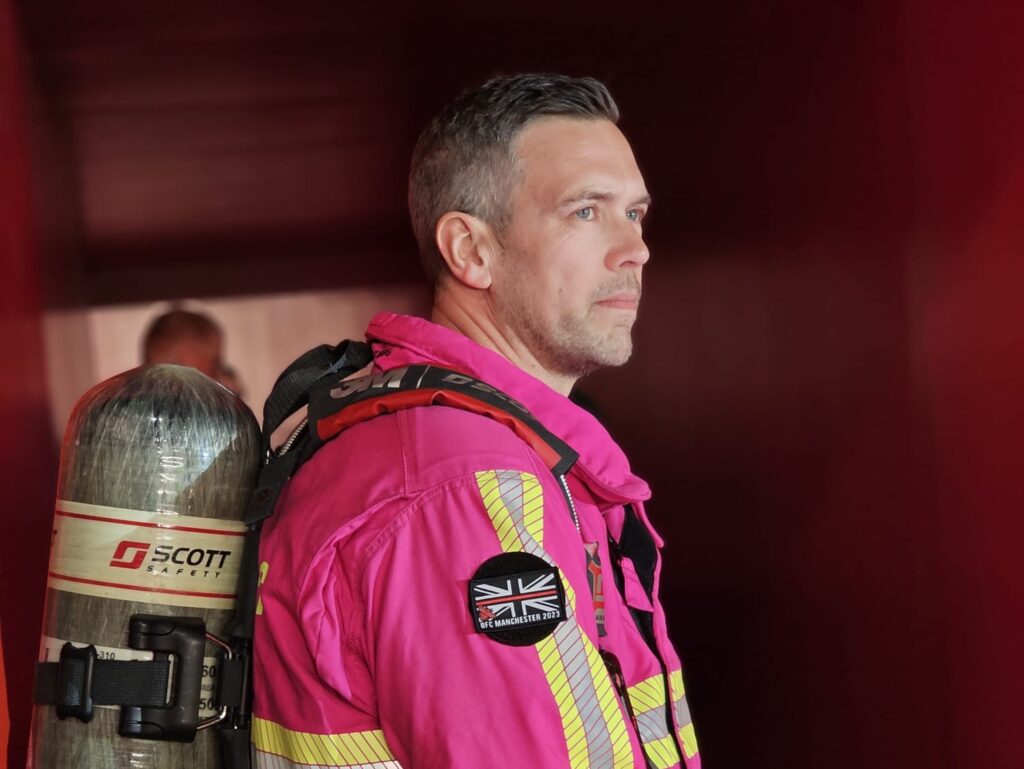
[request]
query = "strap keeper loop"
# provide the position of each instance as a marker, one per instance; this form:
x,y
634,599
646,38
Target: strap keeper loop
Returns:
x,y
74,682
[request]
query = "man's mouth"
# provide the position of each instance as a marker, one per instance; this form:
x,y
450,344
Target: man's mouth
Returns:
x,y
623,300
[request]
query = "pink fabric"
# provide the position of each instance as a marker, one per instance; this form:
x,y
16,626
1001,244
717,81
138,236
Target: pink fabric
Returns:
x,y
365,621
632,590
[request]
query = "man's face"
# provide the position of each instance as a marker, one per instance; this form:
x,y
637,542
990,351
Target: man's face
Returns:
x,y
568,278
201,353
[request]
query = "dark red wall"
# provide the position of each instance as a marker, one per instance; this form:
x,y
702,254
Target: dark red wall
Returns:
x,y
970,359
27,458
826,394
827,391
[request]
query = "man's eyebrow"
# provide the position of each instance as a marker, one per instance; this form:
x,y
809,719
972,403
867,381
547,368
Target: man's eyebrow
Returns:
x,y
589,194
601,196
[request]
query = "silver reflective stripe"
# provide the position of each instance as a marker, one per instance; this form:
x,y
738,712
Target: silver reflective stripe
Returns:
x,y
682,712
687,736
513,495
653,725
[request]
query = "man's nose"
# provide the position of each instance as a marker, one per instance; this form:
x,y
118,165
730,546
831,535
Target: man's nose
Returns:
x,y
629,248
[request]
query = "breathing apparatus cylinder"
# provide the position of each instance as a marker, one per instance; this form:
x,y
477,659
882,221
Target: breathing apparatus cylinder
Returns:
x,y
157,467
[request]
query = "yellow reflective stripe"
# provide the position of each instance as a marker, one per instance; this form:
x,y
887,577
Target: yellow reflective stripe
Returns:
x,y
341,750
675,682
648,694
258,736
533,507
663,752
570,597
501,518
687,736
689,739
308,749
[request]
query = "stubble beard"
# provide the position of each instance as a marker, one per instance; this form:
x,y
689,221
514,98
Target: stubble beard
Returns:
x,y
577,343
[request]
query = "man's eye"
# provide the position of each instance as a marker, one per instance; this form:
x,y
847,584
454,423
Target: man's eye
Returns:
x,y
634,214
585,213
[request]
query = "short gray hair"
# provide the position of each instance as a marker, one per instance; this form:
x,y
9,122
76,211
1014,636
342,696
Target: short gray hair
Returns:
x,y
465,159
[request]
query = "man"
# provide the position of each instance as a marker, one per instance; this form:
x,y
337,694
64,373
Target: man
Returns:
x,y
432,595
187,338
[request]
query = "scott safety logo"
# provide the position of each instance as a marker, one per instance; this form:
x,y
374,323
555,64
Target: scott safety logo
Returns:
x,y
170,560
129,555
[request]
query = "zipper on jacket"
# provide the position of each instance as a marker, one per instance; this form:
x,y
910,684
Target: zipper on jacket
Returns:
x,y
572,506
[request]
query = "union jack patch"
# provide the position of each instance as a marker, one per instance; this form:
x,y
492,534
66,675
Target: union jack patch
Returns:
x,y
505,599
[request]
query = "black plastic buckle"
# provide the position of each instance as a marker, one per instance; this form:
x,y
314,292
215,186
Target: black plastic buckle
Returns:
x,y
185,638
74,682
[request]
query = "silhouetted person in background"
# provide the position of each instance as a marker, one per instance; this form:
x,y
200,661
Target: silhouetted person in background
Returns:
x,y
193,339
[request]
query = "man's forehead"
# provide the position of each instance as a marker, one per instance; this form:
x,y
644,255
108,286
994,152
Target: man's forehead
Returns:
x,y
571,157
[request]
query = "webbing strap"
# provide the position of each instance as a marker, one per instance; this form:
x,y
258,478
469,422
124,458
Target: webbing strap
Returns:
x,y
291,390
114,682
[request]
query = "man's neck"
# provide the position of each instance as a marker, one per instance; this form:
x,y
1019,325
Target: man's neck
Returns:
x,y
473,317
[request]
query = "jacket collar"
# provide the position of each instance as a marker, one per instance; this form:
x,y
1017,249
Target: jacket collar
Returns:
x,y
402,340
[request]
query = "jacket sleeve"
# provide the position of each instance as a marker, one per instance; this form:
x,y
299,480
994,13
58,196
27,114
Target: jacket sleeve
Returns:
x,y
449,695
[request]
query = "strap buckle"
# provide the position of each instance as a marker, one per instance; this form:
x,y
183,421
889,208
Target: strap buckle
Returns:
x,y
74,682
185,638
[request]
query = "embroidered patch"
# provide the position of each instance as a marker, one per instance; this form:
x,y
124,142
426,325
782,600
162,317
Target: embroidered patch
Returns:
x,y
516,598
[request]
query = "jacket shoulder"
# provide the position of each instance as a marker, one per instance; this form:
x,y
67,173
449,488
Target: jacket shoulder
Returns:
x,y
442,443
405,453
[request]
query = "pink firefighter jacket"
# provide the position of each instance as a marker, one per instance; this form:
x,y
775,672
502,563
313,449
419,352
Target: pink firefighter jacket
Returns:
x,y
430,600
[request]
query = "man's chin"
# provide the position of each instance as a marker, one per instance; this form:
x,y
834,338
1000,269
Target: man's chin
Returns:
x,y
585,351
620,346
609,357
619,360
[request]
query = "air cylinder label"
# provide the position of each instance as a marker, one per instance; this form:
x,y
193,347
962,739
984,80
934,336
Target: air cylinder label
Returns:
x,y
134,555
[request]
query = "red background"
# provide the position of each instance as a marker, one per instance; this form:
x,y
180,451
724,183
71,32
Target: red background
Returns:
x,y
826,394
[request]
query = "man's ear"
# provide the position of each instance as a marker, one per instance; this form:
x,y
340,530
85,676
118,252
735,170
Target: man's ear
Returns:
x,y
468,246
